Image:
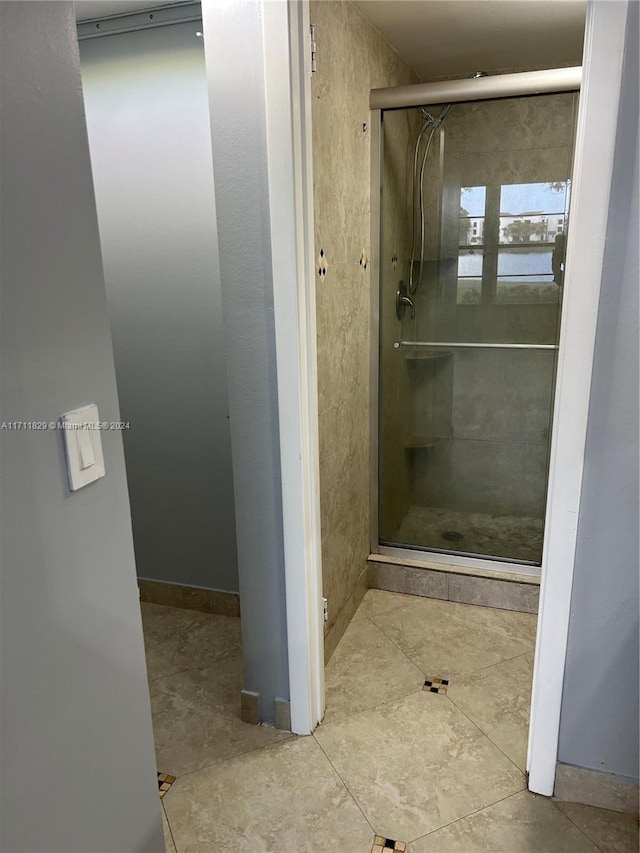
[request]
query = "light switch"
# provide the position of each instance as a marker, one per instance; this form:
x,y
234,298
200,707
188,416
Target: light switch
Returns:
x,y
83,446
85,449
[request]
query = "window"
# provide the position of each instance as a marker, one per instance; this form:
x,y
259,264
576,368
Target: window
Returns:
x,y
472,206
507,237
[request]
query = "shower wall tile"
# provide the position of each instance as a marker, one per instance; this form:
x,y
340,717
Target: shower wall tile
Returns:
x,y
342,317
495,477
349,609
503,396
352,58
512,124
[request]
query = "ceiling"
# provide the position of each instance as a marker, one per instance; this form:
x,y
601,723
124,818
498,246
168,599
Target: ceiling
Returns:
x,y
441,39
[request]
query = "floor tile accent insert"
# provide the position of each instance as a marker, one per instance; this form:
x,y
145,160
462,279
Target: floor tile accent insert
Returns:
x,y
165,781
434,684
380,844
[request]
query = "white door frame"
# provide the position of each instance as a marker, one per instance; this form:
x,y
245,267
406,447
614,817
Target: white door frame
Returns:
x,y
592,173
287,67
287,78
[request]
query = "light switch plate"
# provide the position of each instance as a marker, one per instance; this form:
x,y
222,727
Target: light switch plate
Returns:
x,y
82,446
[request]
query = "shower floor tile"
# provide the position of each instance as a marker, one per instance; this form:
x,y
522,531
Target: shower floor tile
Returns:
x,y
511,537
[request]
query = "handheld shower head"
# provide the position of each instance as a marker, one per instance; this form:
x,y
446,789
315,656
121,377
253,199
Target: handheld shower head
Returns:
x,y
444,113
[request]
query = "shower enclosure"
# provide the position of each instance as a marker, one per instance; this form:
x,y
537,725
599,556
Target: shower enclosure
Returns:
x,y
474,182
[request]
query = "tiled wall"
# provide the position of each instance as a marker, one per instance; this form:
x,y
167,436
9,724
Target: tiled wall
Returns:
x,y
352,58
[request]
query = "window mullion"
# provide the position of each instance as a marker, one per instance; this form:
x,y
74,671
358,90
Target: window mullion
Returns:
x,y
491,245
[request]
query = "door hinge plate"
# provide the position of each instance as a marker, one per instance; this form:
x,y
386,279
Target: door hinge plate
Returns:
x,y
325,612
312,35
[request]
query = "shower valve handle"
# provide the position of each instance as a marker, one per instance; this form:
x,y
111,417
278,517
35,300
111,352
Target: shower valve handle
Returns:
x,y
404,301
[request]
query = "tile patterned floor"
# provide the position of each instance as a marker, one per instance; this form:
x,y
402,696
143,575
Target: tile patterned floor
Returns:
x,y
391,762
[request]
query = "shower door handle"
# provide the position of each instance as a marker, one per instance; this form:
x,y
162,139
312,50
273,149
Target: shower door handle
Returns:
x,y
404,301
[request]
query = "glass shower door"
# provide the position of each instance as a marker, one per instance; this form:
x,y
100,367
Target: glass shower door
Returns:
x,y
471,281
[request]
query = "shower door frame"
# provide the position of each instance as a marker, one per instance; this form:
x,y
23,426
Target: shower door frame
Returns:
x,y
550,81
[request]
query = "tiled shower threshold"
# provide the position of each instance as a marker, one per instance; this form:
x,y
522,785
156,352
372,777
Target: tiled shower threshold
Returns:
x,y
396,570
481,568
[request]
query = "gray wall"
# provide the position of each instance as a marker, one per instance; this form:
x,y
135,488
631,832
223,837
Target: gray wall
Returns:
x,y
78,768
234,45
599,722
148,119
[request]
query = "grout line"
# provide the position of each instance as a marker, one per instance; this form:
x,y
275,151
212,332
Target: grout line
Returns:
x,y
208,665
579,828
344,716
472,672
453,601
188,668
391,640
231,758
490,739
166,817
498,663
464,817
346,787
396,607
168,675
382,631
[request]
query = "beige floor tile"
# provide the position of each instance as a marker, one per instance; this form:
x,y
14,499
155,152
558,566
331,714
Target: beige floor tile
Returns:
x,y
170,847
610,831
177,640
283,799
523,823
450,640
378,601
417,764
498,701
196,718
366,670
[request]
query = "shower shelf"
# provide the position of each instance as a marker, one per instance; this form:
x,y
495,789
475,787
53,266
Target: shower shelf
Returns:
x,y
427,355
418,442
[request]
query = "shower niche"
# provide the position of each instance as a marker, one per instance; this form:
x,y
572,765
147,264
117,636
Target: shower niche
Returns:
x,y
474,204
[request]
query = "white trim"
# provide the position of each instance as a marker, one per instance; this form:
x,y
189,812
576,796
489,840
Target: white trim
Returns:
x,y
289,158
593,167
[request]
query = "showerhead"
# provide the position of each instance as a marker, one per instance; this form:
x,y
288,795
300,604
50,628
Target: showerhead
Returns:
x,y
436,121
